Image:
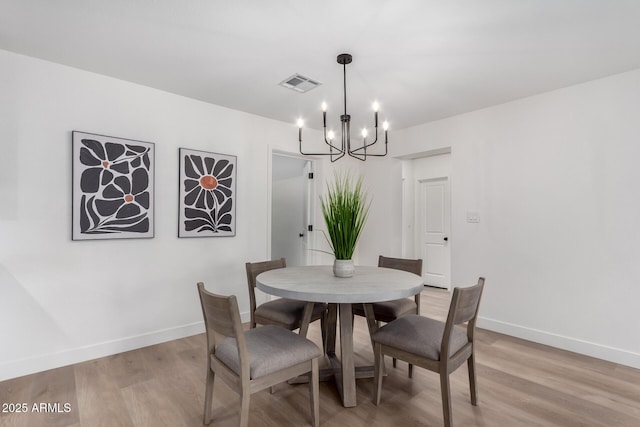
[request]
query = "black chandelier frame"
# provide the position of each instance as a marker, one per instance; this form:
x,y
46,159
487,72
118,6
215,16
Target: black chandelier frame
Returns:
x,y
337,152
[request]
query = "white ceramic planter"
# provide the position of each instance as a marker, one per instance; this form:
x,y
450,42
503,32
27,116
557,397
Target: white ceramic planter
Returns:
x,y
343,268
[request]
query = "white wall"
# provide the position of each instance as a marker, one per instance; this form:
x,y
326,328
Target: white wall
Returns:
x,y
58,303
555,180
381,234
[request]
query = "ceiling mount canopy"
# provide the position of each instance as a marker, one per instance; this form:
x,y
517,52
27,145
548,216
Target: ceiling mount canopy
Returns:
x,y
338,151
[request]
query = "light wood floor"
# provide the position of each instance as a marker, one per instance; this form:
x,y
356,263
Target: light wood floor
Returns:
x,y
519,384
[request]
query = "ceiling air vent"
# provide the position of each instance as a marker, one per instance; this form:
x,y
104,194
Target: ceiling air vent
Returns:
x,y
299,83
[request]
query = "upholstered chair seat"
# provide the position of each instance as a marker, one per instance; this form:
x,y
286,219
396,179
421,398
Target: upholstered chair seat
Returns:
x,y
286,313
386,311
419,335
270,348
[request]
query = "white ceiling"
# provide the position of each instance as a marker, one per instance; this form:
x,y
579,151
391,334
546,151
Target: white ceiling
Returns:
x,y
421,59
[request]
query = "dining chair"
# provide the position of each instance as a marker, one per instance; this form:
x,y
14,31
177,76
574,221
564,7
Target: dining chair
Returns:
x,y
433,345
386,311
282,312
253,360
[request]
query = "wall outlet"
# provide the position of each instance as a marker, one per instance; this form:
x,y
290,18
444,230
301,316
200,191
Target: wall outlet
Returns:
x,y
473,217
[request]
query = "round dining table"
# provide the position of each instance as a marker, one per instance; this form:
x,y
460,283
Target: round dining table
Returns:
x,y
318,284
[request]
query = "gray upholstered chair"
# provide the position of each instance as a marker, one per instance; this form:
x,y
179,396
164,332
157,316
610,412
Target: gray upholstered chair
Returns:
x,y
253,360
282,312
386,311
433,345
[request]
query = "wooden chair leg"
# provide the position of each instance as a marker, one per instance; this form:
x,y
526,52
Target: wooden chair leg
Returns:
x,y
410,370
323,327
208,396
314,393
378,368
446,397
473,386
372,324
245,400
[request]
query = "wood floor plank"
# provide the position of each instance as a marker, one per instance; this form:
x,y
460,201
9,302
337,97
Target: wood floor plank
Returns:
x,y
592,385
519,384
50,399
100,402
16,392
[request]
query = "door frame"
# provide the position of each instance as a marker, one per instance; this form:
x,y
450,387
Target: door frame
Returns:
x,y
311,200
409,201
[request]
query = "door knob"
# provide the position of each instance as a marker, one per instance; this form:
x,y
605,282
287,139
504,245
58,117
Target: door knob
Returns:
x,y
301,235
446,239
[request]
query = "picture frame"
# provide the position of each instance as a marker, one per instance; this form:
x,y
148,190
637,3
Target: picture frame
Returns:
x,y
207,195
113,187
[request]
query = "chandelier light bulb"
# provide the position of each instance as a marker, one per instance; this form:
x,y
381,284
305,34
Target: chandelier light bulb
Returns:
x,y
330,135
300,123
324,106
385,125
364,133
376,106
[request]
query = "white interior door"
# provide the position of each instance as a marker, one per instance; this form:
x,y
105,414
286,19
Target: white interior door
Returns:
x,y
289,209
434,225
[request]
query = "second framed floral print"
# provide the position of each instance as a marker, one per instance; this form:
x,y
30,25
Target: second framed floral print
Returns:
x,y
207,194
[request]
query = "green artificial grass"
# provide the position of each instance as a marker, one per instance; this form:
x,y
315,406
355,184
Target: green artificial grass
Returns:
x,y
345,208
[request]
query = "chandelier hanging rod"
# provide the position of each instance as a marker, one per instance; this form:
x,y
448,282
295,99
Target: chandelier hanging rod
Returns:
x,y
337,152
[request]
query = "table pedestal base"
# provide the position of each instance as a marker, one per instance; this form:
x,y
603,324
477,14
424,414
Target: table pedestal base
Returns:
x,y
341,369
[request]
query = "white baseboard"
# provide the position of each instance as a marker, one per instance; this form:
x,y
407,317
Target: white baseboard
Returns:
x,y
616,355
18,368
43,362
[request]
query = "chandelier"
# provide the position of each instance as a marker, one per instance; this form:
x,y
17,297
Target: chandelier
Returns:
x,y
338,151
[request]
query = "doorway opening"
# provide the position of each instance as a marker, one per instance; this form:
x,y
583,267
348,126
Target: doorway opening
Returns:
x,y
291,192
427,215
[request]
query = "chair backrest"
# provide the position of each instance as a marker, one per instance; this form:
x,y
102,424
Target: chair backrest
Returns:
x,y
255,268
411,265
463,309
222,316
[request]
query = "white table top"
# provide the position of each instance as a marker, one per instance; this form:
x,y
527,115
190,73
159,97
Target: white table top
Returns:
x,y
318,284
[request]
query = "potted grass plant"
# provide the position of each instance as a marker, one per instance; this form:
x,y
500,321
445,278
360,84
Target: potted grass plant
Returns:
x,y
345,207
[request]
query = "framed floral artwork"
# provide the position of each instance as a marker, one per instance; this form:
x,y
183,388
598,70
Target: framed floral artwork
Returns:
x,y
207,194
113,187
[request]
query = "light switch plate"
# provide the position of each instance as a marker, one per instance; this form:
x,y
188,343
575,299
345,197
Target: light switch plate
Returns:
x,y
473,217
